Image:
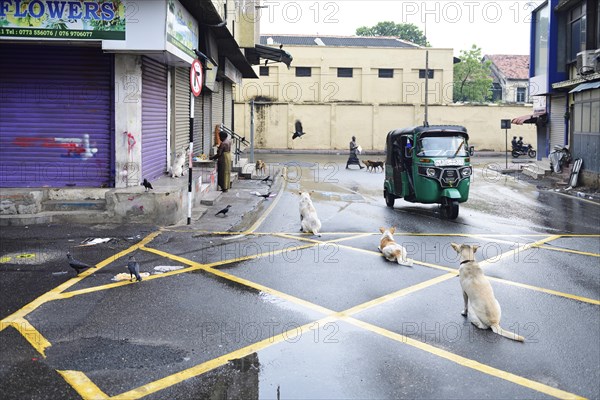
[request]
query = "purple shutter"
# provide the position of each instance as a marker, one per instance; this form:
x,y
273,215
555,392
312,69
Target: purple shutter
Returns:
x,y
154,118
56,116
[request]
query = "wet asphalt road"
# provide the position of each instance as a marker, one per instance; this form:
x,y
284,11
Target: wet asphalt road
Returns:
x,y
270,313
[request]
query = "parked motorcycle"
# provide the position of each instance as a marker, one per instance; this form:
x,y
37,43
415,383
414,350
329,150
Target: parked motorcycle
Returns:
x,y
559,157
523,149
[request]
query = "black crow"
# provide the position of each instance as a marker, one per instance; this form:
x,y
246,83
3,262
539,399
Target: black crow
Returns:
x,y
299,132
147,184
267,179
77,265
134,269
223,211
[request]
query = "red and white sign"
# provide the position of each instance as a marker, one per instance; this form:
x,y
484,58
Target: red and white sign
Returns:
x,y
196,77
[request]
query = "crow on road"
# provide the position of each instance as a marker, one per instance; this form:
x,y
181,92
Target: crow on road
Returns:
x,y
134,269
223,211
147,184
76,264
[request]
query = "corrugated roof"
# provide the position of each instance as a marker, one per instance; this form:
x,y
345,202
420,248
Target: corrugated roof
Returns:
x,y
336,41
511,66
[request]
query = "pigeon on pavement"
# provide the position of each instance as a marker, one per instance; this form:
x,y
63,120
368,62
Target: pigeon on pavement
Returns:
x,y
299,132
147,184
134,269
223,211
76,264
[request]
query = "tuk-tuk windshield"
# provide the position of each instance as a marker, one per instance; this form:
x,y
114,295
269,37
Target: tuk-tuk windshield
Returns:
x,y
442,146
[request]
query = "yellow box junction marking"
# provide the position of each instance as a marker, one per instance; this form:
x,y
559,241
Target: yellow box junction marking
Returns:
x,y
83,385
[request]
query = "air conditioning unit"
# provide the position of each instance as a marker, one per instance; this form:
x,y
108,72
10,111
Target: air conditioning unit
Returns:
x,y
586,62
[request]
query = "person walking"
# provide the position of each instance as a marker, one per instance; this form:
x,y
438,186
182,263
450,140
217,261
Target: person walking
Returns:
x,y
223,158
354,150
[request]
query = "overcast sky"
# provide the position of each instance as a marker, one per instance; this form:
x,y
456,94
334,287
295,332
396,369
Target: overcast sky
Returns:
x,y
498,27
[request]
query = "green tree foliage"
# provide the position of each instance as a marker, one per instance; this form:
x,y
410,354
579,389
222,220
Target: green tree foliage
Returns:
x,y
408,32
472,77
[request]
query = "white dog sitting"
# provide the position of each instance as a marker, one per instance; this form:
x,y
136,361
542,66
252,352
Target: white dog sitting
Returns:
x,y
391,250
481,306
308,215
177,168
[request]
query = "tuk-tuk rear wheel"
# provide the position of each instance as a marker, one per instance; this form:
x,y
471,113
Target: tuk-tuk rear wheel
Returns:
x,y
389,199
449,208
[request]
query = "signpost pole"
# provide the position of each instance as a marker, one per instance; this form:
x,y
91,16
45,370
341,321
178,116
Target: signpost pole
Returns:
x,y
196,75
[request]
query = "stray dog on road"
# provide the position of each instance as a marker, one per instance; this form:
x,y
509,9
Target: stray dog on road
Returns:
x,y
481,307
391,250
309,221
260,167
373,165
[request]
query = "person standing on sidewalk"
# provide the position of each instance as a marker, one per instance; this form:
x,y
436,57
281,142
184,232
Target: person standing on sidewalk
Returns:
x,y
353,159
223,158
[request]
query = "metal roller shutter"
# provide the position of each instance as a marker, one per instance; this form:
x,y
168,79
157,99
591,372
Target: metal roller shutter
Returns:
x,y
558,107
207,123
228,105
154,118
198,132
56,116
181,115
217,103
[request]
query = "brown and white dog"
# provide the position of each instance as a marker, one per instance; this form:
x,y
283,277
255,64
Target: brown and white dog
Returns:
x,y
391,250
481,307
309,221
260,167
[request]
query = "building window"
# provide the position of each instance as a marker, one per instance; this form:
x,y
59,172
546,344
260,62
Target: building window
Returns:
x,y
496,92
303,71
344,72
422,74
264,71
521,94
541,40
386,73
576,32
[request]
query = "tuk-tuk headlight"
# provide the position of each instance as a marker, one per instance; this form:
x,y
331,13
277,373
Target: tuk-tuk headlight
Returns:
x,y
430,172
466,172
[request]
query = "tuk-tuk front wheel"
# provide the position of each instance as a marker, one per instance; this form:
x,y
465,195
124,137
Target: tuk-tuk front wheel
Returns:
x,y
449,208
389,199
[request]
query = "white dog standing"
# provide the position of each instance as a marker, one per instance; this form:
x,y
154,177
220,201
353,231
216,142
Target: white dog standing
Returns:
x,y
308,215
481,307
391,250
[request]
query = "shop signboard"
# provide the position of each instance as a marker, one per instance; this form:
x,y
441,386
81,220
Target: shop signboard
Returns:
x,y
182,28
100,19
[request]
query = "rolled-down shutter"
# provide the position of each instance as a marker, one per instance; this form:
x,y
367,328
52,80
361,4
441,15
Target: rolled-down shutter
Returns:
x,y
154,118
56,116
558,107
217,103
198,126
181,121
207,122
228,104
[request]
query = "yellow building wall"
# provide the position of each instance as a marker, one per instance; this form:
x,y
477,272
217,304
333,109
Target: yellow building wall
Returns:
x,y
331,126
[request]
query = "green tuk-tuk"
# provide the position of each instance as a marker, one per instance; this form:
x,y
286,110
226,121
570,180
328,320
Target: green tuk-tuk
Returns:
x,y
428,164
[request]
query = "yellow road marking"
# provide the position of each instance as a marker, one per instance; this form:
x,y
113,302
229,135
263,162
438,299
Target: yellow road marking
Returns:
x,y
32,335
466,362
518,250
83,385
264,216
583,253
399,293
548,291
200,369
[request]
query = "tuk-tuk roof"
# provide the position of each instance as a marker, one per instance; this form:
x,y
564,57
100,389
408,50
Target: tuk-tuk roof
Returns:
x,y
419,130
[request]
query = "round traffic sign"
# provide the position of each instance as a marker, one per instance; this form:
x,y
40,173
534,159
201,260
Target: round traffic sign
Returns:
x,y
196,77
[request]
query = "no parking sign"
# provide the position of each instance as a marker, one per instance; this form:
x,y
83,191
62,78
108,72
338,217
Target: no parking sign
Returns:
x,y
196,77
